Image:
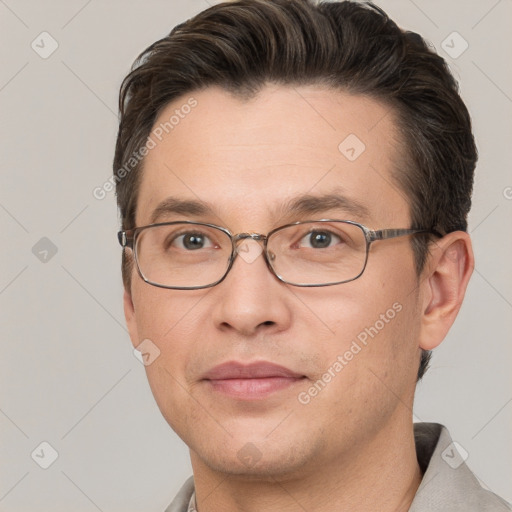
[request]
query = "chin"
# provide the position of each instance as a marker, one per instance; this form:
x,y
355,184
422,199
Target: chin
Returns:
x,y
284,457
252,463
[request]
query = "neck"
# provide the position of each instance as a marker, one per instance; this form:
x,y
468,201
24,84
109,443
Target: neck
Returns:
x,y
381,475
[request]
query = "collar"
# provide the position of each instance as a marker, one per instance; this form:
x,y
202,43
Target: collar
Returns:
x,y
447,484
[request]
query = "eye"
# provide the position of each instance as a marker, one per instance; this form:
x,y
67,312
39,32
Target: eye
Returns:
x,y
319,239
192,241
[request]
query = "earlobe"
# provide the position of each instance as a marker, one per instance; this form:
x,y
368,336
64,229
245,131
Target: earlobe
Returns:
x,y
449,268
129,314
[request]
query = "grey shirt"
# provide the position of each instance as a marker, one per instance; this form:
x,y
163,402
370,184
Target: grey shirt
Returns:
x,y
447,483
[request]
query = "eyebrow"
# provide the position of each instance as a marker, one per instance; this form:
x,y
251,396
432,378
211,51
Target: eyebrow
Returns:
x,y
306,204
174,205
309,204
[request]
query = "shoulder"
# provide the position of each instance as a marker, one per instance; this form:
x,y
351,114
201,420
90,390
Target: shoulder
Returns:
x,y
181,502
448,483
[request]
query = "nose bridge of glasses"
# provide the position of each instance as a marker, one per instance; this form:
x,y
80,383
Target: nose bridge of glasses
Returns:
x,y
249,252
257,237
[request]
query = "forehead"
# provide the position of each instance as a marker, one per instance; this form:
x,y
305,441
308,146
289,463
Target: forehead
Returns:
x,y
248,160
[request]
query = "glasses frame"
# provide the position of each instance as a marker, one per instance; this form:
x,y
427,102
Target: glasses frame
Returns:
x,y
128,239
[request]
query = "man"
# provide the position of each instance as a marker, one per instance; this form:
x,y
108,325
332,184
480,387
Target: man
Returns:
x,y
294,182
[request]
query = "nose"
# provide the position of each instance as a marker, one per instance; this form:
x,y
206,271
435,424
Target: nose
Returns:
x,y
251,299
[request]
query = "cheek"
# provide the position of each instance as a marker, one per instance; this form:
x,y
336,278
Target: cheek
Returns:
x,y
355,310
368,367
159,311
373,326
168,320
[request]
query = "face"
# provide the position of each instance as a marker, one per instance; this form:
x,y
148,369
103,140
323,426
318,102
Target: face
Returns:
x,y
347,355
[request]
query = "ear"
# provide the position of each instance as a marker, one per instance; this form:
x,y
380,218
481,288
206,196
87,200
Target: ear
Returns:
x,y
129,314
444,281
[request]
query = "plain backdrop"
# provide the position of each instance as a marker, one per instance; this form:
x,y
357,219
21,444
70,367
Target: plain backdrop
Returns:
x,y
68,374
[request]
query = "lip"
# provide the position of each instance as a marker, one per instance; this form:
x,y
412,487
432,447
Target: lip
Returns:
x,y
250,381
256,370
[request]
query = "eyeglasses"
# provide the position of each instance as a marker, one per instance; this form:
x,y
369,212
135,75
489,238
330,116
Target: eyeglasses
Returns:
x,y
192,255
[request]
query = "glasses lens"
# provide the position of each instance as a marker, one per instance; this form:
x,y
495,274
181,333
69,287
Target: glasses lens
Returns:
x,y
318,253
182,255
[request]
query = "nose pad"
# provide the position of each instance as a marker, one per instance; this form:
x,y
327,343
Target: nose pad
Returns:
x,y
249,250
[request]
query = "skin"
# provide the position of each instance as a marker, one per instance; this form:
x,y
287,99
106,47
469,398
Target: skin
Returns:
x,y
351,447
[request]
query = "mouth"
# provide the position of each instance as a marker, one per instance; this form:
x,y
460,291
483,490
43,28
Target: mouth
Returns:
x,y
254,381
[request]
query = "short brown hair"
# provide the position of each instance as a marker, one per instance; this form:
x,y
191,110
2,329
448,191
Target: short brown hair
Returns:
x,y
245,44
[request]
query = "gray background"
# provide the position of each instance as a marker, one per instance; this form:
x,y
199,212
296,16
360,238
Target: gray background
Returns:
x,y
68,374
